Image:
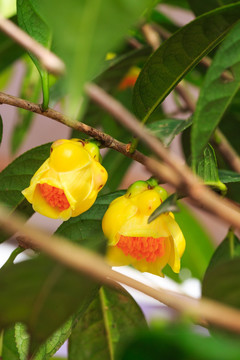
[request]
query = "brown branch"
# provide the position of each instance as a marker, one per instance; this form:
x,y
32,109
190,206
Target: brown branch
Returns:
x,y
48,60
184,180
105,139
82,260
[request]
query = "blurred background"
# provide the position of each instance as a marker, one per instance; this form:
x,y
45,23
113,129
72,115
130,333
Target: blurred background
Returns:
x,y
38,136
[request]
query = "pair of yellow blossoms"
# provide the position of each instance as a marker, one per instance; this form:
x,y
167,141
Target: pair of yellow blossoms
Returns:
x,y
68,183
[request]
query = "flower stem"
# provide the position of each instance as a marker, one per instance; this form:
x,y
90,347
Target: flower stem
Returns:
x,y
13,256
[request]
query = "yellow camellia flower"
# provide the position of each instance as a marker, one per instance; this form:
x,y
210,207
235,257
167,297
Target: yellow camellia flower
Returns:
x,y
68,182
149,247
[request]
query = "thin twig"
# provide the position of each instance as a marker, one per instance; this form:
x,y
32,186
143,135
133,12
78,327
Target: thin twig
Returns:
x,y
94,266
48,60
105,139
187,182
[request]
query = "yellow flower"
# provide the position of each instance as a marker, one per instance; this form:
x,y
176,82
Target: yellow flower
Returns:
x,y
149,247
68,182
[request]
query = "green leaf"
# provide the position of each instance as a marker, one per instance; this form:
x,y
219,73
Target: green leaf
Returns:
x,y
170,204
89,224
216,93
166,130
30,19
199,244
200,7
178,55
46,350
31,87
42,294
221,282
116,165
9,50
177,341
9,349
16,177
228,176
207,169
109,320
91,29
227,250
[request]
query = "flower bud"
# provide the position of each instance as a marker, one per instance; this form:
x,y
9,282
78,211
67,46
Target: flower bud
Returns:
x,y
149,247
68,182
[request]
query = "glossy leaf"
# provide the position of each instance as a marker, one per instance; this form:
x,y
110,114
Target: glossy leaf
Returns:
x,y
208,171
227,250
83,42
216,93
31,87
200,7
46,350
170,204
116,165
89,224
178,55
178,342
109,320
9,50
228,176
221,280
42,294
16,177
166,130
221,283
30,19
9,347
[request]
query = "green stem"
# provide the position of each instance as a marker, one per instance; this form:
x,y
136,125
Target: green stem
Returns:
x,y
231,242
13,256
45,89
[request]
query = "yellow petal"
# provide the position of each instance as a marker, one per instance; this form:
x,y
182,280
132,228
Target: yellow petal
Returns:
x,y
117,214
177,243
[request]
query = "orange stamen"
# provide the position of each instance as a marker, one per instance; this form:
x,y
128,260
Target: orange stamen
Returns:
x,y
147,248
55,197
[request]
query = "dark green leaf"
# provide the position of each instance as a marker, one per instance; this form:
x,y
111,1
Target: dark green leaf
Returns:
x,y
16,177
116,165
170,204
46,350
89,224
9,50
166,130
178,55
200,7
216,93
208,171
178,342
91,29
30,19
42,294
30,90
228,176
222,282
9,348
109,320
227,250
